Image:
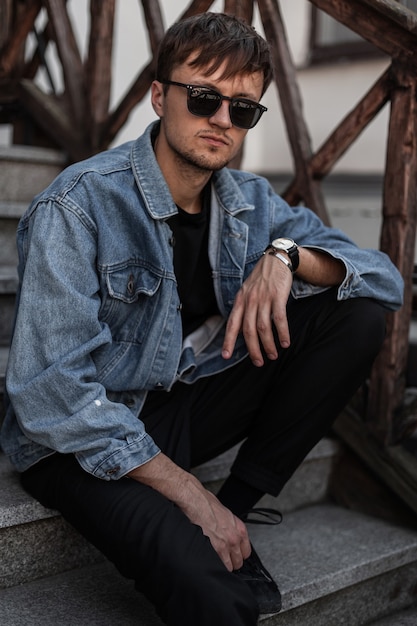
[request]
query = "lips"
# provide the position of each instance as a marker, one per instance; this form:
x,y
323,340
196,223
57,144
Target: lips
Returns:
x,y
215,140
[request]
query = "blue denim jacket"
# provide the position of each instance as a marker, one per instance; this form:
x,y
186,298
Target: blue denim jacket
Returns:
x,y
98,319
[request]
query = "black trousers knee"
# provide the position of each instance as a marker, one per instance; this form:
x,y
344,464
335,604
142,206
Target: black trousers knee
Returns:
x,y
279,411
282,409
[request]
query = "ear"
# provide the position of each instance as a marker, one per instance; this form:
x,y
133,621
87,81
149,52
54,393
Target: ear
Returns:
x,y
157,98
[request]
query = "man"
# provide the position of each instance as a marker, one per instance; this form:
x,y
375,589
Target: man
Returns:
x,y
166,314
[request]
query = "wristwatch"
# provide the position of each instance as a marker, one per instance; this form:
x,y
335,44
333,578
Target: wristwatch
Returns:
x,y
289,246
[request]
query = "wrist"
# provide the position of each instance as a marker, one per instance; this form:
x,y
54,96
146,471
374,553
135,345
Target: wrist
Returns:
x,y
281,256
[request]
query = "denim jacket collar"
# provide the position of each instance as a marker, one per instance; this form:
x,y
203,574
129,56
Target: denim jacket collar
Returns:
x,y
149,177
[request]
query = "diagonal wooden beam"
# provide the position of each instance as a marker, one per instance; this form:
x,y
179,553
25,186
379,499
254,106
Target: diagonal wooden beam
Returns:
x,y
50,116
379,22
33,64
290,97
352,126
135,94
98,66
12,51
396,12
70,58
323,161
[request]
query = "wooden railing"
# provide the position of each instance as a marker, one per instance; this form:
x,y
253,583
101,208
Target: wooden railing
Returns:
x,y
80,121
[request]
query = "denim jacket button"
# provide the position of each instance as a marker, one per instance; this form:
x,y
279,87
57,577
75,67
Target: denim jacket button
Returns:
x,y
171,241
130,402
131,285
179,307
159,386
113,471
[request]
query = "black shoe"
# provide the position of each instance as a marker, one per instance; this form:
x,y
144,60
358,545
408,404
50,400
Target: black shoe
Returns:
x,y
261,584
253,571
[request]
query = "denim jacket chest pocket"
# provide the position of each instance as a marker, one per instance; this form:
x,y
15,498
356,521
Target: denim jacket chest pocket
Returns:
x,y
130,294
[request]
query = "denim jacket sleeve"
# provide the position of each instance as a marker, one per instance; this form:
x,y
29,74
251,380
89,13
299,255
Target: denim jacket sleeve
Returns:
x,y
52,378
369,273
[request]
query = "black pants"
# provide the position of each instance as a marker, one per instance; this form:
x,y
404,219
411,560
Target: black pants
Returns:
x,y
280,411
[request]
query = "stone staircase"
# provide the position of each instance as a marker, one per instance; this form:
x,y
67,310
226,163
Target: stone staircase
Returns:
x,y
333,565
23,173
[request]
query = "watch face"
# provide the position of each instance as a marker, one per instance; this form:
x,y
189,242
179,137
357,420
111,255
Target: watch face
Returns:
x,y
283,243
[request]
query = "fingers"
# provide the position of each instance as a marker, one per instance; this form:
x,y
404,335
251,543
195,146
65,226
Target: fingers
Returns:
x,y
233,327
257,331
227,533
258,310
243,549
234,545
280,320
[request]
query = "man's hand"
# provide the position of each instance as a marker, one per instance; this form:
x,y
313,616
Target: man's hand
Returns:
x,y
227,533
261,302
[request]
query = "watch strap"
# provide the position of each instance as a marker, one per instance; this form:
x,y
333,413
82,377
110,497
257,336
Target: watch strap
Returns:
x,y
281,257
292,252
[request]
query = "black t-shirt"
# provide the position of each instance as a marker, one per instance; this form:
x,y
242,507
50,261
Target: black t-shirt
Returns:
x,y
192,266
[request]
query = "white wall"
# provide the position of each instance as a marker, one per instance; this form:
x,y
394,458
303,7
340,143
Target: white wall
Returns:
x,y
327,92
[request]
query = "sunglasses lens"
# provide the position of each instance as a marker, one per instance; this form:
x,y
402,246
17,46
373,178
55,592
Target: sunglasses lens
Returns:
x,y
245,114
203,102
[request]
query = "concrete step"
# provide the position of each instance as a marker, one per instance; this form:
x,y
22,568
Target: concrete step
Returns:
x,y
25,171
402,618
309,484
3,361
27,533
10,214
45,544
332,566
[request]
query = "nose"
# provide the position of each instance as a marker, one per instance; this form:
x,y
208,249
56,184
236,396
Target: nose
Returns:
x,y
222,116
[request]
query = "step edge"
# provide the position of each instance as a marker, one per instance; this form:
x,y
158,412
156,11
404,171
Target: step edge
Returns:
x,y
335,582
26,507
12,209
33,155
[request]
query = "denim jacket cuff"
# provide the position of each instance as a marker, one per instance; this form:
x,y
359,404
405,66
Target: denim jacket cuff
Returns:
x,y
122,460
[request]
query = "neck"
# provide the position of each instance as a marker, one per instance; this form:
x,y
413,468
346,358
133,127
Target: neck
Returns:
x,y
185,181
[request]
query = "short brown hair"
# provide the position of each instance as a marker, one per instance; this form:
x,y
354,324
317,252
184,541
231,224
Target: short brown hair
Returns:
x,y
215,37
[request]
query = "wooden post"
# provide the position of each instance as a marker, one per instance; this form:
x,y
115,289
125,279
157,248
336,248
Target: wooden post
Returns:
x,y
154,22
98,68
6,20
72,65
243,9
12,51
196,6
398,241
290,97
239,8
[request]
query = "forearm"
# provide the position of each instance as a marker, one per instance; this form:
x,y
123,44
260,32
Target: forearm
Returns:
x,y
319,268
227,533
169,479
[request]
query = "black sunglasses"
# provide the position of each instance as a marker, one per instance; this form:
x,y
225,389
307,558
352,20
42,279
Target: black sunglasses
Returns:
x,y
204,102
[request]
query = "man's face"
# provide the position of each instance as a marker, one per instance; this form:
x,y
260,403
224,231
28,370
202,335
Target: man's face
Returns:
x,y
204,143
